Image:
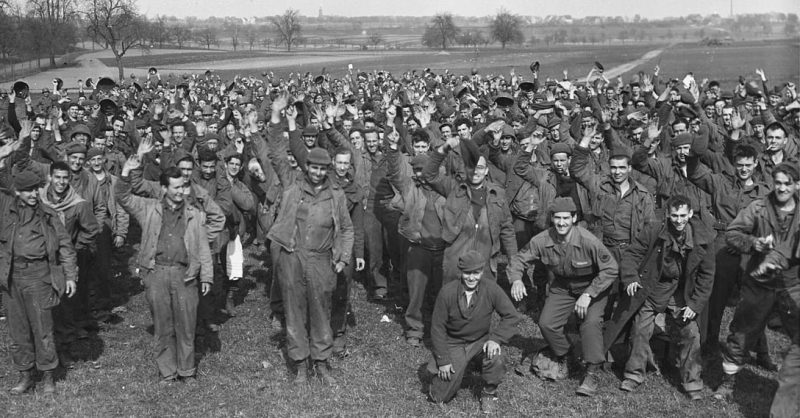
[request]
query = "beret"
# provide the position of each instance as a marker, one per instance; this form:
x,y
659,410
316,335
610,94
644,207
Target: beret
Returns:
x,y
27,180
419,161
212,136
318,156
75,148
508,131
563,204
756,120
620,152
310,130
94,152
682,139
181,154
559,148
554,122
205,154
471,261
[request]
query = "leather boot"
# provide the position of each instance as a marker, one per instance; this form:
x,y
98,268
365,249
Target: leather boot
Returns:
x,y
49,383
324,373
229,305
24,383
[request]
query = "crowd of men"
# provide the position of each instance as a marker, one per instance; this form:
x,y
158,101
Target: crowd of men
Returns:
x,y
637,205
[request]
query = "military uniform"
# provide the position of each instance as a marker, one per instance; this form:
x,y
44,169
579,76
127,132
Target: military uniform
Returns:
x,y
581,264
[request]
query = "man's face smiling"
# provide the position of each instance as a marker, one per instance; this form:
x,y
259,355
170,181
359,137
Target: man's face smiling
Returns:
x,y
563,222
471,279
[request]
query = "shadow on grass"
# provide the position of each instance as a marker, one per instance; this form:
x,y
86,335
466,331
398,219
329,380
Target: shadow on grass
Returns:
x,y
753,393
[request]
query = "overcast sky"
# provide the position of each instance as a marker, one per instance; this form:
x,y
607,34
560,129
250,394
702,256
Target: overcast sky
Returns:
x,y
576,8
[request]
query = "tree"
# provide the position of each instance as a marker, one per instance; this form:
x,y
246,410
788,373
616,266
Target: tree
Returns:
x,y
441,31
374,39
235,31
506,27
790,28
117,24
208,36
182,35
251,36
288,27
55,22
623,35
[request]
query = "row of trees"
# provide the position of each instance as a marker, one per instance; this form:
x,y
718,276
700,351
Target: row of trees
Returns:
x,y
51,28
505,28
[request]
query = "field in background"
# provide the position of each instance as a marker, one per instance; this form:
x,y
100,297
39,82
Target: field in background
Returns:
x,y
780,59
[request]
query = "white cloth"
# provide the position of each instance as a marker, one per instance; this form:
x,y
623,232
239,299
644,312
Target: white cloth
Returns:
x,y
235,259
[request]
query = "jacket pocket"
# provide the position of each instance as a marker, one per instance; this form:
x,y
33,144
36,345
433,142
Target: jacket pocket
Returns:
x,y
582,267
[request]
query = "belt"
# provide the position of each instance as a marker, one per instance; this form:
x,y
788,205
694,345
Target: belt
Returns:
x,y
23,262
720,225
610,242
169,264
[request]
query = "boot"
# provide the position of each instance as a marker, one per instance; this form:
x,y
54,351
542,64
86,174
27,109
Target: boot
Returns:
x,y
323,372
301,373
229,305
589,385
24,383
764,361
725,388
49,383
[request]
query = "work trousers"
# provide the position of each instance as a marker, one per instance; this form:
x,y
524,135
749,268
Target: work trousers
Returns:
x,y
397,247
72,311
173,306
558,307
756,302
787,399
689,359
727,276
374,246
100,277
424,281
307,281
341,300
492,370
29,301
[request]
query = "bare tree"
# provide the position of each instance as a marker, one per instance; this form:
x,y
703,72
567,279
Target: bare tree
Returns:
x,y
208,36
441,31
235,32
375,38
251,36
288,27
56,24
182,35
506,27
117,24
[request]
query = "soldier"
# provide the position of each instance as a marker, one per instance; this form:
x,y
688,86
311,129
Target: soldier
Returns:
x,y
583,270
174,252
461,330
667,268
37,265
765,224
313,236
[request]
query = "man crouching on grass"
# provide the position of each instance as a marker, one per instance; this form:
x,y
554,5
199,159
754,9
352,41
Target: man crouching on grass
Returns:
x,y
460,331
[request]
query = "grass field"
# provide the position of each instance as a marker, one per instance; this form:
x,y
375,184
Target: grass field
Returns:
x,y
243,373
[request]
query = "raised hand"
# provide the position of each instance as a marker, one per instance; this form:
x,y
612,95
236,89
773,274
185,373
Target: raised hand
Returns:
x,y
145,146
